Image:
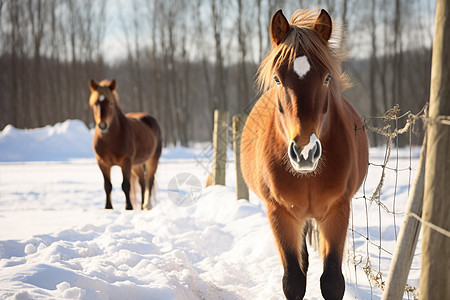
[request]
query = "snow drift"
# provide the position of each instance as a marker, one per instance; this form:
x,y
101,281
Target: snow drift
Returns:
x,y
57,241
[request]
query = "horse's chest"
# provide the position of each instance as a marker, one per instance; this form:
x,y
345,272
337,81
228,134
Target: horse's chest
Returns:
x,y
307,196
110,154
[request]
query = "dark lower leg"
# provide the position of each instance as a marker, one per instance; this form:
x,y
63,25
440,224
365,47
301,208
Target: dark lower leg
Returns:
x,y
108,188
294,280
332,283
126,190
305,255
150,185
333,232
288,234
142,185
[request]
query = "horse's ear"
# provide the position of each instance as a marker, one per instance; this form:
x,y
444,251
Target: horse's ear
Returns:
x,y
93,85
279,27
323,25
112,85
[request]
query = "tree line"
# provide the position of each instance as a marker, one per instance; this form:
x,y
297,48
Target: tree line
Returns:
x,y
179,59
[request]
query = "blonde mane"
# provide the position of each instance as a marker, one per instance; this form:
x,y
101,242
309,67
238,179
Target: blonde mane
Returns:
x,y
302,37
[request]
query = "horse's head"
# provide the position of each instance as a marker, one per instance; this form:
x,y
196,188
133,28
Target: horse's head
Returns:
x,y
301,69
103,101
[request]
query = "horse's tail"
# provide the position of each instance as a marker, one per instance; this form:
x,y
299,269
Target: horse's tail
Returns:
x,y
154,160
152,123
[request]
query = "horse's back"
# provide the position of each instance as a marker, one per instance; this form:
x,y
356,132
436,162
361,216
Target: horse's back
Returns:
x,y
147,120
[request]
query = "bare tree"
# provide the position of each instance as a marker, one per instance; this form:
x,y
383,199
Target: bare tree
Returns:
x,y
243,36
155,80
373,66
133,37
260,30
398,55
202,46
220,98
16,42
37,13
72,78
344,17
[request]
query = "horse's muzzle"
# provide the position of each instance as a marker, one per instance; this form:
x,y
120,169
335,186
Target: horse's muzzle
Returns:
x,y
103,126
305,160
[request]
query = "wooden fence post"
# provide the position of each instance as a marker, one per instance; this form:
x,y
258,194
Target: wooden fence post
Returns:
x,y
220,142
407,239
241,186
434,280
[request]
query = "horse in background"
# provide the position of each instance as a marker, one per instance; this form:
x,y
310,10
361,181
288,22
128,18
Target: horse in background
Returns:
x,y
304,149
132,141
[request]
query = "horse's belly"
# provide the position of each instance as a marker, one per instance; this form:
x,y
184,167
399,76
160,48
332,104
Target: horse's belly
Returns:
x,y
144,154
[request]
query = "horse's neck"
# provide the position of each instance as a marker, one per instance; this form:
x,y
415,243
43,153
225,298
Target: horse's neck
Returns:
x,y
119,115
119,118
118,124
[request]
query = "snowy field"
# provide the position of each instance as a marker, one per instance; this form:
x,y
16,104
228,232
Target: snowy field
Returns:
x,y
57,241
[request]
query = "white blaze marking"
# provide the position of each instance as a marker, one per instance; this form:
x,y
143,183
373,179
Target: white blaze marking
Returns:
x,y
301,66
101,98
312,142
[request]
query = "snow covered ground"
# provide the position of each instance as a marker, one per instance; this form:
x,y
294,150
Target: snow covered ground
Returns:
x,y
57,241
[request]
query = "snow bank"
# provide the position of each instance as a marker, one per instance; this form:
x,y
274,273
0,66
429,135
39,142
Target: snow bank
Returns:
x,y
213,250
61,142
73,140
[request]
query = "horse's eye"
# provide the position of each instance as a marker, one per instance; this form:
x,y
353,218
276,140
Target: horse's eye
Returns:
x,y
327,80
277,81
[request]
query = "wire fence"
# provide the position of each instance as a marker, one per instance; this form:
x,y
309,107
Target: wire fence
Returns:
x,y
370,251
376,253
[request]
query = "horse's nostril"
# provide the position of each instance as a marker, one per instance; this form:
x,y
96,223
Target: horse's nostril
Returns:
x,y
294,151
317,150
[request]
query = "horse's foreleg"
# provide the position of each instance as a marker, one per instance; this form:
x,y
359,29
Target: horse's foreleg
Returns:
x,y
126,173
333,231
106,171
288,235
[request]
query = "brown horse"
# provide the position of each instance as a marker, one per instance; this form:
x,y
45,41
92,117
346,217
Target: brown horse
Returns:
x,y
303,148
132,141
